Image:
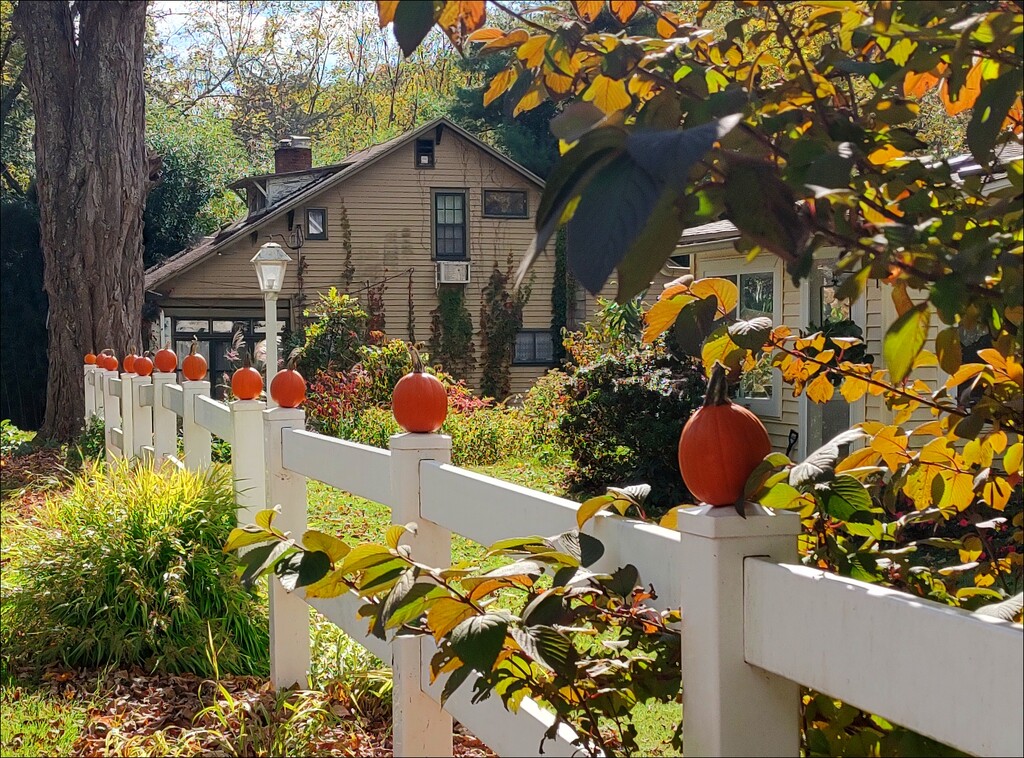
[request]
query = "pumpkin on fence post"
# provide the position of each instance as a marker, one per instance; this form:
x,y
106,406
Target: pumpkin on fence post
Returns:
x,y
246,382
129,360
90,359
419,401
720,446
166,360
144,365
194,365
288,389
109,360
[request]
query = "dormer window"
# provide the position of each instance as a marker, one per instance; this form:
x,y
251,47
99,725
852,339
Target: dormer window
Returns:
x,y
424,153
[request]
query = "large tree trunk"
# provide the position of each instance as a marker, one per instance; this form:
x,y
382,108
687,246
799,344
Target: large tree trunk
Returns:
x,y
87,92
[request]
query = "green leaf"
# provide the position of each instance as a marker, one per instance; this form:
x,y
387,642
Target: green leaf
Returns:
x,y
763,208
258,560
477,641
548,608
363,557
265,518
549,647
782,496
302,569
244,536
694,323
623,580
948,350
584,548
413,20
381,577
649,251
454,681
517,544
336,549
844,497
990,110
752,334
904,340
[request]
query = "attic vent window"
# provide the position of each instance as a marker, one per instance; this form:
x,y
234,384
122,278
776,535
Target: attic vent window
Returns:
x,y
316,223
424,153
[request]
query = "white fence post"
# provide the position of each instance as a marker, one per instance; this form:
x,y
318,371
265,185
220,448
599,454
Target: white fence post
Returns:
x,y
88,378
142,416
289,614
247,459
420,726
729,706
98,390
197,439
129,404
111,413
165,421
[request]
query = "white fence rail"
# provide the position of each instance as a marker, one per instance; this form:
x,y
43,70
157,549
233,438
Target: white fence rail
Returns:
x,y
755,624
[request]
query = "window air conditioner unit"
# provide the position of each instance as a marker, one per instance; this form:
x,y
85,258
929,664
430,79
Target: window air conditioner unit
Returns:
x,y
452,272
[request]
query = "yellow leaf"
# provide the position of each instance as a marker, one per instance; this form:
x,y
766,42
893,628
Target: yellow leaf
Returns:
x,y
668,22
978,453
265,518
726,292
386,12
446,614
947,345
918,487
900,298
971,548
331,585
721,350
997,440
531,52
866,456
460,18
925,358
326,543
558,83
932,429
499,85
820,390
885,154
959,490
1014,458
892,446
996,493
663,314
916,85
512,39
394,534
671,519
853,388
968,93
533,97
623,10
965,372
608,94
486,35
588,10
589,508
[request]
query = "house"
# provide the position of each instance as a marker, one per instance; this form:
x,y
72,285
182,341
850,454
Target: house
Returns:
x,y
432,208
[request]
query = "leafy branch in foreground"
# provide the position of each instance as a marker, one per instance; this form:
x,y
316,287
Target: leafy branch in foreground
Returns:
x,y
544,626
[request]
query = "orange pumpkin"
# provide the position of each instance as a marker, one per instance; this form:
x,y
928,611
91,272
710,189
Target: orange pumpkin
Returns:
x,y
419,401
166,360
90,359
194,365
143,365
129,361
720,446
288,388
109,360
246,382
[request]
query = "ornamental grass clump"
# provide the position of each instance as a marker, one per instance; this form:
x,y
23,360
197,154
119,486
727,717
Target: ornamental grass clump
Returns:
x,y
126,569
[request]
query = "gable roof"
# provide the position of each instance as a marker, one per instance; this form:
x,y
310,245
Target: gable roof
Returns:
x,y
332,175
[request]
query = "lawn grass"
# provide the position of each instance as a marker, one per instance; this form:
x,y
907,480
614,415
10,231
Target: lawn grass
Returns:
x,y
38,723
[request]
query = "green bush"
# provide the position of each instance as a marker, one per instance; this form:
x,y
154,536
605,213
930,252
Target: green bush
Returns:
x,y
623,419
12,439
333,338
90,445
543,407
127,569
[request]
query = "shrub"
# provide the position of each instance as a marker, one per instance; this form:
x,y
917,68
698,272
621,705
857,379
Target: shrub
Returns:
x,y
543,407
12,439
90,445
333,339
126,569
623,419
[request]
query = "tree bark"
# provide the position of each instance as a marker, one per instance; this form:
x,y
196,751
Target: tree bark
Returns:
x,y
87,92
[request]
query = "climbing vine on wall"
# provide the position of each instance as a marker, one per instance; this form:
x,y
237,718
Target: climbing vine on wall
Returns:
x,y
375,305
559,298
410,324
501,318
348,270
451,331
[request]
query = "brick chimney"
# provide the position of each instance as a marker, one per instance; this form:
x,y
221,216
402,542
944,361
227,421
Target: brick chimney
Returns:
x,y
293,154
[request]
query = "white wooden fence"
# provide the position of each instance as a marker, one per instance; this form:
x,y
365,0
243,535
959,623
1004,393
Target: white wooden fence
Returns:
x,y
756,625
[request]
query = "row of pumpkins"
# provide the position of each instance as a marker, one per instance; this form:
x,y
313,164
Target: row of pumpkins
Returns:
x,y
720,446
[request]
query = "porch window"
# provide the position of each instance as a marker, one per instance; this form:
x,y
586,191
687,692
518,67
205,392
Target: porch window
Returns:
x,y
760,294
216,337
450,225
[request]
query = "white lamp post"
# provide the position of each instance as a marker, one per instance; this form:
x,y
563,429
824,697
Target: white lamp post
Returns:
x,y
270,263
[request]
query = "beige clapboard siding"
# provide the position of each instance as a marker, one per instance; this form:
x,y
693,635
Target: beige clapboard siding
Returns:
x,y
389,211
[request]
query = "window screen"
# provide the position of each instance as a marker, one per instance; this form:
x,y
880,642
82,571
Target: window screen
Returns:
x,y
534,347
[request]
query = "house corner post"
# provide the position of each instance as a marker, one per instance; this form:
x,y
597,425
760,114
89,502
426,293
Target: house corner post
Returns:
x,y
248,464
197,440
421,726
289,614
165,421
729,706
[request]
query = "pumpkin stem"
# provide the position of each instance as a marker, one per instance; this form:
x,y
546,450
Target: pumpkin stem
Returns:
x,y
417,362
195,344
717,386
246,358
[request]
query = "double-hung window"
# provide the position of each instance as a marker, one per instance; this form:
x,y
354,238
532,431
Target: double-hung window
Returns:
x,y
760,294
450,226
316,223
534,347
